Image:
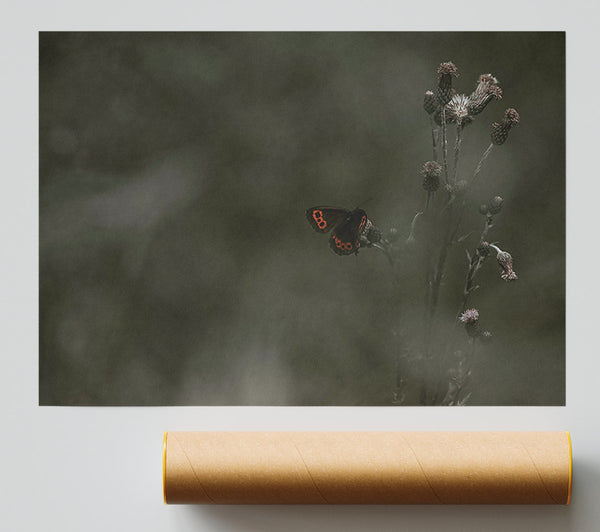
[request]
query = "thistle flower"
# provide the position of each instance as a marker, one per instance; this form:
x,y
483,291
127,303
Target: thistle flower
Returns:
x,y
470,318
445,72
457,110
430,103
487,89
505,261
431,173
500,129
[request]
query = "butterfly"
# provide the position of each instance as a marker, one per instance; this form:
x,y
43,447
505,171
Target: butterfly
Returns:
x,y
347,227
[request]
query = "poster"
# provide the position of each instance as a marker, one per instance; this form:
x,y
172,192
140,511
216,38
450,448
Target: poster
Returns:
x,y
185,179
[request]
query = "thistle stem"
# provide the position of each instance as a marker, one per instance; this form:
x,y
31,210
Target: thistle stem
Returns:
x,y
433,139
411,235
457,144
476,263
450,235
481,161
444,145
385,249
438,274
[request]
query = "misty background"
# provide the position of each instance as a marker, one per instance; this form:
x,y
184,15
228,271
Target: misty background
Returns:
x,y
176,263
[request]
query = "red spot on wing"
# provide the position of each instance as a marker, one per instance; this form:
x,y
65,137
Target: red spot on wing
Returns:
x,y
343,246
362,224
318,218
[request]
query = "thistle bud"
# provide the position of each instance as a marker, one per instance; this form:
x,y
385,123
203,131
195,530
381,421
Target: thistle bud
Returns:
x,y
495,205
430,103
431,173
487,90
483,249
500,129
483,209
505,261
511,116
444,91
486,337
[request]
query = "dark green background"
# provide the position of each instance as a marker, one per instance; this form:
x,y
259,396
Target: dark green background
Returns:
x,y
176,264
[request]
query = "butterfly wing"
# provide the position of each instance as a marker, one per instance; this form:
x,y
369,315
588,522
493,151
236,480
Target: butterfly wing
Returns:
x,y
324,219
345,240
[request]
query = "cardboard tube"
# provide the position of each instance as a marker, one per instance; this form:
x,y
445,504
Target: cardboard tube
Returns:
x,y
367,467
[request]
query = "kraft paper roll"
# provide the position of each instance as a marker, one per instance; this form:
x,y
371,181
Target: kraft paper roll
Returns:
x,y
367,467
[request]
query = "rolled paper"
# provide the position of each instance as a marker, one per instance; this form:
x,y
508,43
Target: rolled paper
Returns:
x,y
367,467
